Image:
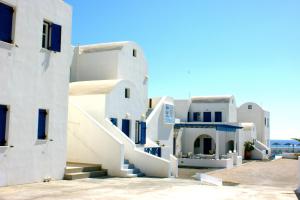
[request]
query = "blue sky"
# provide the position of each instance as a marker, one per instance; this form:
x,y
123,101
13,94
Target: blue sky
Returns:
x,y
250,49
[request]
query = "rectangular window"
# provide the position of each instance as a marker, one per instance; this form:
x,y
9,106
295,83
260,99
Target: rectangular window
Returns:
x,y
114,121
196,117
207,116
6,23
3,118
137,132
51,36
42,123
250,107
218,116
127,93
134,52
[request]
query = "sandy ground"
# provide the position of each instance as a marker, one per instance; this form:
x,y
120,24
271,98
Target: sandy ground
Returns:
x,y
280,187
138,188
281,173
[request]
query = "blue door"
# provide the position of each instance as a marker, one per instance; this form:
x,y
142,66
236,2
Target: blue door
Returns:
x,y
143,133
207,145
3,114
207,116
218,116
126,127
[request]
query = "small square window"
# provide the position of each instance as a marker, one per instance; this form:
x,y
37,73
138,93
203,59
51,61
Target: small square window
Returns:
x,y
127,93
134,52
250,107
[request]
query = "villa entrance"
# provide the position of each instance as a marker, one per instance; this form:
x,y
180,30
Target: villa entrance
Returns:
x,y
204,144
230,146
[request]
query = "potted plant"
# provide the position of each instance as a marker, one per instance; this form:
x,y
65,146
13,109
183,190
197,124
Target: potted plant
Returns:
x,y
248,148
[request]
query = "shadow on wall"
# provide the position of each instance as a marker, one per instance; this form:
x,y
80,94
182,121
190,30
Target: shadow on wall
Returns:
x,y
46,59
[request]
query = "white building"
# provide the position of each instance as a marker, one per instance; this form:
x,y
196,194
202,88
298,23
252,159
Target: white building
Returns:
x,y
35,55
107,112
252,112
207,133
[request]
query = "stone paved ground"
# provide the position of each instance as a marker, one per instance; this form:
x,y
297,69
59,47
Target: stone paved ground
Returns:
x,y
265,186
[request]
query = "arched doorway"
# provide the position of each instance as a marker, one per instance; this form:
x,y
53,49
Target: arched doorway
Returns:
x,y
204,144
230,146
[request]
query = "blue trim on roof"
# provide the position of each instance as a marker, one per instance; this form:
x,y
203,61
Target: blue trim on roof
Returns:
x,y
218,127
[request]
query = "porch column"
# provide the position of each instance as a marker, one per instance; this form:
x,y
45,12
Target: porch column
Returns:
x,y
217,145
235,141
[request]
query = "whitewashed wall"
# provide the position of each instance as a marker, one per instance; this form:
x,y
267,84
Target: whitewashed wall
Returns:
x,y
112,61
33,78
257,116
157,128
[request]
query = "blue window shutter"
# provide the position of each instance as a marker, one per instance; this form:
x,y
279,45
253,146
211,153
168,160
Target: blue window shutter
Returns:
x,y
114,121
143,133
218,116
55,37
3,112
42,124
207,116
6,22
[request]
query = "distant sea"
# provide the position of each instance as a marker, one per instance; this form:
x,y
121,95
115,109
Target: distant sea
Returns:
x,y
284,143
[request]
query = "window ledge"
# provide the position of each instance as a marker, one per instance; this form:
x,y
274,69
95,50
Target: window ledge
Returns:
x,y
44,50
4,148
40,141
7,45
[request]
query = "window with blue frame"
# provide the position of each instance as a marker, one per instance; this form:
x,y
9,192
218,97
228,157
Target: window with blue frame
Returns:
x,y
42,124
218,116
51,36
207,117
3,118
140,132
6,22
196,117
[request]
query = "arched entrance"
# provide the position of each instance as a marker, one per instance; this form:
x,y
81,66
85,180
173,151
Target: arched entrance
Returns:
x,y
204,144
230,146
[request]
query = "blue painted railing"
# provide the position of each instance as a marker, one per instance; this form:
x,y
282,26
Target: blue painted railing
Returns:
x,y
156,151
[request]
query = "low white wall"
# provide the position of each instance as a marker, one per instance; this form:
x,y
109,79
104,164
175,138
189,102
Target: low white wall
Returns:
x,y
223,163
90,142
290,155
257,154
149,164
174,166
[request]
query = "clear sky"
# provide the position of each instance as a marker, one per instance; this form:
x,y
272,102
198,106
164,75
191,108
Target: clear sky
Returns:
x,y
250,49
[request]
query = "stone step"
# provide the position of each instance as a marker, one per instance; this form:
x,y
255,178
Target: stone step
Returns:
x,y
128,166
81,175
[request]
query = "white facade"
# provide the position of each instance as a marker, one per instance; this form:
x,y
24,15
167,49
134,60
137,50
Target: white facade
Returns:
x,y
110,82
110,61
33,78
252,112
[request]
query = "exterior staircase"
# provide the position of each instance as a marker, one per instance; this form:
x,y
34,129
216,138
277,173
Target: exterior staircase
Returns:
x,y
149,111
131,171
75,171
